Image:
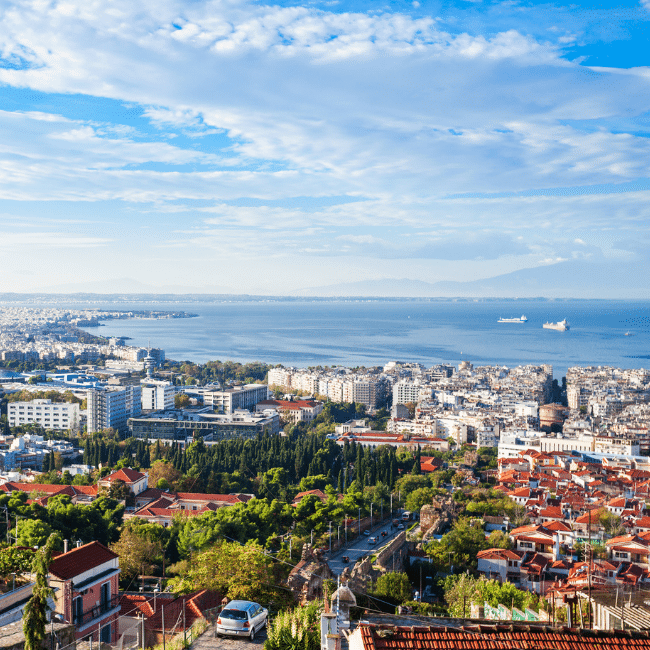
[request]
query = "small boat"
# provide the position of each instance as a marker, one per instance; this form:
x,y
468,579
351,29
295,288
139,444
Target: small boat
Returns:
x,y
523,319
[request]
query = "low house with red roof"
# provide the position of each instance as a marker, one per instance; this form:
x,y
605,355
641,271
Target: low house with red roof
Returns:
x,y
41,492
303,410
430,463
629,548
500,564
172,504
134,480
536,539
85,581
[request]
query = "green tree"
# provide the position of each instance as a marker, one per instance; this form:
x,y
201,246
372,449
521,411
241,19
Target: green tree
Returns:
x,y
35,612
394,586
235,570
14,559
32,532
462,590
139,546
181,401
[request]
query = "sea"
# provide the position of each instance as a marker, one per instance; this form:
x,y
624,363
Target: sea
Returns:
x,y
364,332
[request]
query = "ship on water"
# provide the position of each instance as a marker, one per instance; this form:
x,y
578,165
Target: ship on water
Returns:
x,y
561,326
523,319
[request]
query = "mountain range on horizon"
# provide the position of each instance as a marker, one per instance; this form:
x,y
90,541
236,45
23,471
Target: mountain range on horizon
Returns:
x,y
568,279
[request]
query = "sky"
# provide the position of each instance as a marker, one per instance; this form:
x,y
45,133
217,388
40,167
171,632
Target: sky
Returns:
x,y
239,146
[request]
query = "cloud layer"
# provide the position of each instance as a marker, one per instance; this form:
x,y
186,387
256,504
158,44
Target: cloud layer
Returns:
x,y
449,145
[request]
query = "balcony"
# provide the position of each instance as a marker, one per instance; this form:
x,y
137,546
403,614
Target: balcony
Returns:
x,y
96,611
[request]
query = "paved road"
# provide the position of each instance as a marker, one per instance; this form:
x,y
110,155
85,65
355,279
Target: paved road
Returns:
x,y
208,640
361,546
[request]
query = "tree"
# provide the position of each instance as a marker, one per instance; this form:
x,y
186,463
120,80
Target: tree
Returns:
x,y
161,469
241,572
394,586
138,547
463,590
419,498
32,532
119,490
35,612
181,400
15,559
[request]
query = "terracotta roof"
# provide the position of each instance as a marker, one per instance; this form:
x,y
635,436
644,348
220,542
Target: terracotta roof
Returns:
x,y
78,560
498,637
125,474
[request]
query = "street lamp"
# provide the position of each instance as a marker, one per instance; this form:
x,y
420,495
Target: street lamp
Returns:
x,y
371,504
330,538
338,535
359,521
312,537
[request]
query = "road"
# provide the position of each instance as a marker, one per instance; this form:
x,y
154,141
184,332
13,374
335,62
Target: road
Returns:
x,y
361,546
208,641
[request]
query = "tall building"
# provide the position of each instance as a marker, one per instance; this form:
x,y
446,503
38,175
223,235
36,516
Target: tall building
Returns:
x,y
157,395
111,407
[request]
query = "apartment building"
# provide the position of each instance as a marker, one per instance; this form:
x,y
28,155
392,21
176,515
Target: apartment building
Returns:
x,y
238,397
58,416
112,406
157,395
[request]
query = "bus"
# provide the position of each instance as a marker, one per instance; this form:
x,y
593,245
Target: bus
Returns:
x,y
406,515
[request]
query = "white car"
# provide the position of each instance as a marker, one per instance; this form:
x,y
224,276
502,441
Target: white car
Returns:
x,y
242,618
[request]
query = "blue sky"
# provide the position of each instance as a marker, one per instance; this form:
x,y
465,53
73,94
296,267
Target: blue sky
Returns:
x,y
265,148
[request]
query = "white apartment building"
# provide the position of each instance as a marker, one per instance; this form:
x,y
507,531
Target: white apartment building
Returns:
x,y
112,406
405,391
157,395
48,414
238,397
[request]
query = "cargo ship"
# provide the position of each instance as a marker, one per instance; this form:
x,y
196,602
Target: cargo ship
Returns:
x,y
523,319
561,326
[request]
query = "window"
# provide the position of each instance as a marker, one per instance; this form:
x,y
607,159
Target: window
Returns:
x,y
77,609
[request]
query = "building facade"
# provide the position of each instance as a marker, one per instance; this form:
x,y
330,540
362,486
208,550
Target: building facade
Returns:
x,y
59,416
111,407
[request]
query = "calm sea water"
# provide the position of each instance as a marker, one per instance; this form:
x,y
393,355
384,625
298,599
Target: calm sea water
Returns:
x,y
355,333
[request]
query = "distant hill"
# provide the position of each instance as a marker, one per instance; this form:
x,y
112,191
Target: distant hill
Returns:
x,y
570,279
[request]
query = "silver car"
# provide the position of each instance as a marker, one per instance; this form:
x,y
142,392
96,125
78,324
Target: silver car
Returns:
x,y
242,618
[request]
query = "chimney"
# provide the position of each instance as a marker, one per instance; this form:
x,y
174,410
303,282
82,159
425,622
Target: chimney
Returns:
x,y
78,543
65,545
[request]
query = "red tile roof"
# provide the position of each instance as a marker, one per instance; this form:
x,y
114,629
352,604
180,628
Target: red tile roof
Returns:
x,y
79,560
498,637
125,474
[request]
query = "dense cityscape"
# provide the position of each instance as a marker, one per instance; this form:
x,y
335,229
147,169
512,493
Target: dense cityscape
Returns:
x,y
461,491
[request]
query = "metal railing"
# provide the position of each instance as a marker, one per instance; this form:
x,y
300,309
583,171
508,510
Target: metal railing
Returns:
x,y
96,611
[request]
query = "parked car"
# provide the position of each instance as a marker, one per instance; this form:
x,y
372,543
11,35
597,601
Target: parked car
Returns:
x,y
242,618
366,533
400,527
384,533
346,559
372,540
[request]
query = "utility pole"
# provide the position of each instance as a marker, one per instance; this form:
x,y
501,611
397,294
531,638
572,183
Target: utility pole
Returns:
x,y
589,572
163,626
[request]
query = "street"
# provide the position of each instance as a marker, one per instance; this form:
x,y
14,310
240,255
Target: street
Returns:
x,y
361,546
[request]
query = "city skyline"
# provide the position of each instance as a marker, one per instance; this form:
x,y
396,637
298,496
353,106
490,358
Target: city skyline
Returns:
x,y
255,148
